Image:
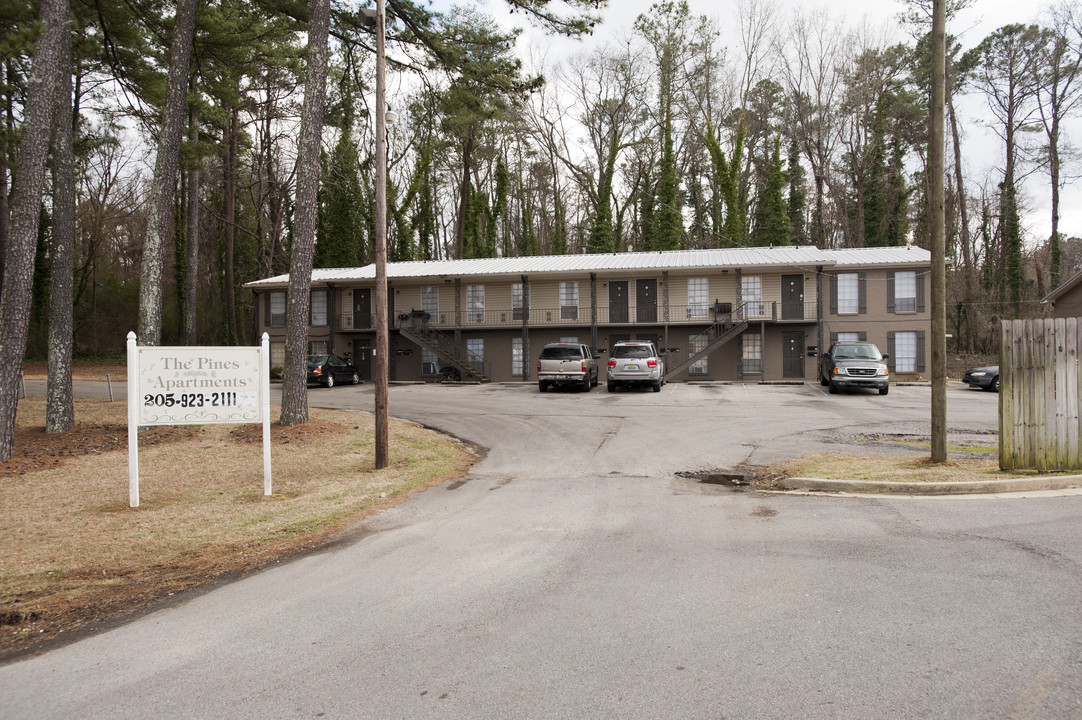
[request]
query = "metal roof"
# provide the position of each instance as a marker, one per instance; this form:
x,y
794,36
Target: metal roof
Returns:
x,y
803,256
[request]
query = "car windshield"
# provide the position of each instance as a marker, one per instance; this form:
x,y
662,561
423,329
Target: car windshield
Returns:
x,y
633,351
561,353
856,352
316,359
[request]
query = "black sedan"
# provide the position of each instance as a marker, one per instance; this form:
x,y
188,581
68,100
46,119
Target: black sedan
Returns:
x,y
327,370
985,378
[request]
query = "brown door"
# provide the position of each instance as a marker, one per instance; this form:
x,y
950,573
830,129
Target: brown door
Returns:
x,y
362,357
618,301
646,301
792,346
792,297
362,309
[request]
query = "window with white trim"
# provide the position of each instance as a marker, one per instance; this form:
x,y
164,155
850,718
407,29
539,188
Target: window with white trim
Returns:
x,y
516,356
430,363
905,351
751,289
516,301
277,315
569,300
475,353
697,343
848,293
905,291
319,307
698,292
278,354
752,358
430,301
475,303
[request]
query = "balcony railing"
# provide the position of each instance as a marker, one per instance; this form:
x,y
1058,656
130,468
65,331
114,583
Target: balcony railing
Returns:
x,y
694,314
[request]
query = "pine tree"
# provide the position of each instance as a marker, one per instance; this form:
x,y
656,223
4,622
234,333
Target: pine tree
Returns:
x,y
798,198
771,212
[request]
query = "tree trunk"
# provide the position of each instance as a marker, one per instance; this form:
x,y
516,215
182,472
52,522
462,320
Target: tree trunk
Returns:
x,y
463,198
191,277
163,185
26,209
294,380
229,207
963,212
59,401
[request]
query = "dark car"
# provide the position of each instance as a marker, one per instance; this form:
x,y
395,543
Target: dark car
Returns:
x,y
328,370
985,378
854,365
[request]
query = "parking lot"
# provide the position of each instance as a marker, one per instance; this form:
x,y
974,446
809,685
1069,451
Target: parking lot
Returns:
x,y
685,427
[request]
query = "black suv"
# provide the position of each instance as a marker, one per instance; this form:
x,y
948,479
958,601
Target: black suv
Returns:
x,y
854,365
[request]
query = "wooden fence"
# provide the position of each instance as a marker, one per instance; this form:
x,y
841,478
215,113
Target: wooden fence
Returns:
x,y
1039,376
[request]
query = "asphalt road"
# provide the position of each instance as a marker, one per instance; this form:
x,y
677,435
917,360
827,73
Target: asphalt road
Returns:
x,y
574,574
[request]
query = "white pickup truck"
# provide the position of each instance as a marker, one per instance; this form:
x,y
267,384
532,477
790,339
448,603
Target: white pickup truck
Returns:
x,y
567,364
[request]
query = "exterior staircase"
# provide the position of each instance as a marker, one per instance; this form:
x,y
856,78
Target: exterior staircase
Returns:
x,y
725,328
443,346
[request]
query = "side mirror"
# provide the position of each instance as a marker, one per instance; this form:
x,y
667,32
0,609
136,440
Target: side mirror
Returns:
x,y
886,356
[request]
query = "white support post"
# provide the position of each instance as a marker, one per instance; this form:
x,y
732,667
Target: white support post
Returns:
x,y
133,421
264,371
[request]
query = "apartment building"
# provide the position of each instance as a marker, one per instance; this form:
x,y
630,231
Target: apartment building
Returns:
x,y
740,314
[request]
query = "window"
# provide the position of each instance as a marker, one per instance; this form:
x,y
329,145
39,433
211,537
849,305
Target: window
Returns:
x,y
697,294
430,301
516,301
319,307
516,356
905,291
848,337
697,343
430,364
848,293
905,352
751,287
317,347
569,339
569,301
475,353
475,303
276,308
278,354
753,353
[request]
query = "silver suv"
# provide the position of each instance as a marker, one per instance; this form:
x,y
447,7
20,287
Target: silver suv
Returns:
x,y
854,365
636,363
567,364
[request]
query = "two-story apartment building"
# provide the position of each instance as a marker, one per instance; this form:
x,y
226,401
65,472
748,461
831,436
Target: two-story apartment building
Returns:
x,y
746,314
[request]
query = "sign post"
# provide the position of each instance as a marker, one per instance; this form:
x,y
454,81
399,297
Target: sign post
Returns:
x,y
196,386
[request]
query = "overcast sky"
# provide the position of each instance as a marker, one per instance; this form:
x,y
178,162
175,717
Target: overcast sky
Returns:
x,y
983,152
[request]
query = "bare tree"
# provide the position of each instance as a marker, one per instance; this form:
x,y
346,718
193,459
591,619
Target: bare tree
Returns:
x,y
163,185
40,108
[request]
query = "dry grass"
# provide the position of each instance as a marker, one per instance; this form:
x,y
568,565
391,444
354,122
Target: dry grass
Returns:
x,y
73,552
891,468
117,370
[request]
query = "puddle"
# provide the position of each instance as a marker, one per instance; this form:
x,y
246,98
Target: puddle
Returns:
x,y
724,478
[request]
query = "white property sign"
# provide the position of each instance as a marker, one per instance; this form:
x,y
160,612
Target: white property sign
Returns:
x,y
196,386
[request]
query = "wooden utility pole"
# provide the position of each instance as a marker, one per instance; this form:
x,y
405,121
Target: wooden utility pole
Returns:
x,y
382,362
938,227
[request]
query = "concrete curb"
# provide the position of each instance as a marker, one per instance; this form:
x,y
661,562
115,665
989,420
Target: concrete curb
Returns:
x,y
876,487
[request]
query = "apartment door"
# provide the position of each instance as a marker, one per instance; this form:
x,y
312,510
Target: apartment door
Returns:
x,y
362,357
792,297
618,301
792,347
646,301
362,308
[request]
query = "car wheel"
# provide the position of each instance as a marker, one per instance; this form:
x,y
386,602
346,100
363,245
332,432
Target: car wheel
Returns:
x,y
329,382
542,386
884,390
657,386
823,380
356,379
587,383
832,388
995,385
612,387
